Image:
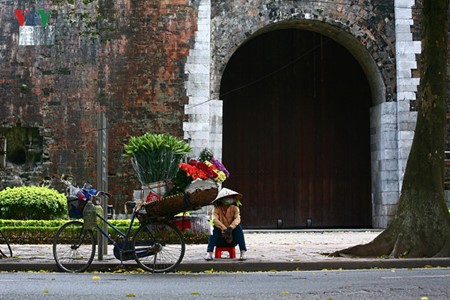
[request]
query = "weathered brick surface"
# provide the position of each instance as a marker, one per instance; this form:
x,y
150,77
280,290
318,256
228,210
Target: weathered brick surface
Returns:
x,y
123,57
143,76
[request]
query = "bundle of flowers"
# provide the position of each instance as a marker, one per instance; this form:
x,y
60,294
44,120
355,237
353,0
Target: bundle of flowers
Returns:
x,y
206,167
205,170
155,157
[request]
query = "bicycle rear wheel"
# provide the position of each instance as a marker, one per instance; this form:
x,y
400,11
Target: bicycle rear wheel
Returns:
x,y
5,248
159,247
73,247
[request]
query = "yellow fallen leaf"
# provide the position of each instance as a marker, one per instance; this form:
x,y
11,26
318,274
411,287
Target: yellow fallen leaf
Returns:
x,y
427,266
195,293
95,277
45,291
424,298
285,293
131,295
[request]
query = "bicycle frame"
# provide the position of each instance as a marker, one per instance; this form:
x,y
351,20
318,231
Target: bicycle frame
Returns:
x,y
125,236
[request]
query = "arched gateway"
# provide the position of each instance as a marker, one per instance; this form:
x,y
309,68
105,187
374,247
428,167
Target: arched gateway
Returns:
x,y
310,108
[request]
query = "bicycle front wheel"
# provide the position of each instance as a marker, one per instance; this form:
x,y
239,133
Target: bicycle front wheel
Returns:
x,y
159,247
5,248
73,247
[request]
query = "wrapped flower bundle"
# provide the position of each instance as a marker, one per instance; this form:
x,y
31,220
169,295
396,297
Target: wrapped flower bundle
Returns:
x,y
205,168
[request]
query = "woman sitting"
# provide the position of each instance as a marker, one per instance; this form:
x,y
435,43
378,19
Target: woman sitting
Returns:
x,y
227,231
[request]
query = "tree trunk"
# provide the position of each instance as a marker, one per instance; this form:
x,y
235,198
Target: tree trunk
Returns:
x,y
421,227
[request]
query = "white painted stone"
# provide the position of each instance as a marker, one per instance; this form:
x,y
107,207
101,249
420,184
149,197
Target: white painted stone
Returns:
x,y
407,117
406,96
403,106
199,108
388,108
388,165
192,127
388,175
402,27
388,153
193,101
408,81
390,198
202,45
407,64
196,68
403,13
404,152
404,3
406,135
388,144
202,35
199,143
408,56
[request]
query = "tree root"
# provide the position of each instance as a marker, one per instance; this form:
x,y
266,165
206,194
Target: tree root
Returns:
x,y
445,251
398,249
379,247
395,244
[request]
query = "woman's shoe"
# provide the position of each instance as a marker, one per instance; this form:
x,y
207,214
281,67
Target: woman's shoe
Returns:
x,y
209,256
242,257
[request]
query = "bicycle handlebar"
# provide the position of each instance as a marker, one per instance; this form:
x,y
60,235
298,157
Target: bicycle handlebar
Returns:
x,y
101,193
86,187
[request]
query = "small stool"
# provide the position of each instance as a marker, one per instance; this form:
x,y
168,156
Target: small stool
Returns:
x,y
230,250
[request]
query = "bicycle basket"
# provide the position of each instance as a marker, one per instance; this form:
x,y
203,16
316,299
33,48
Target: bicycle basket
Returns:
x,y
76,202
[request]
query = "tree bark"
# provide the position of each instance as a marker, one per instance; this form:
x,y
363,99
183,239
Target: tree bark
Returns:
x,y
421,227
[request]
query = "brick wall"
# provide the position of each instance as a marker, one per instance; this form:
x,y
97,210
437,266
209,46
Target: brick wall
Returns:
x,y
123,57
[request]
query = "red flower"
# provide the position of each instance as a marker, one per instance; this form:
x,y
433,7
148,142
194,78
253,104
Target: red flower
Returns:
x,y
203,167
193,171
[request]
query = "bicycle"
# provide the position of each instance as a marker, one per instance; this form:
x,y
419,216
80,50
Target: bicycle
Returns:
x,y
157,246
5,248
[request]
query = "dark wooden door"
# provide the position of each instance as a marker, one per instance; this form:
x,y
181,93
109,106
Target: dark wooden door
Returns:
x,y
296,132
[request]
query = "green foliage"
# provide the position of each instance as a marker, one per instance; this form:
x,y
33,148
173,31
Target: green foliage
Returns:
x,y
29,235
31,223
180,183
43,231
205,154
156,157
32,202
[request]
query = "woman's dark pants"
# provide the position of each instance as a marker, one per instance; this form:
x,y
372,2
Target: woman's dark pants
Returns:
x,y
217,240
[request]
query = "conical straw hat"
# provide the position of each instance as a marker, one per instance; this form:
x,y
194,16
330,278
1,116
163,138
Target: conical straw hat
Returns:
x,y
223,193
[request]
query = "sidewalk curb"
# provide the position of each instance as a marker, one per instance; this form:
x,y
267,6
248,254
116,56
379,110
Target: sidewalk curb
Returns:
x,y
248,266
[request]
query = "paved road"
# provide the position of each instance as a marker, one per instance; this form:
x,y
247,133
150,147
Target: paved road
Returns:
x,y
358,284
